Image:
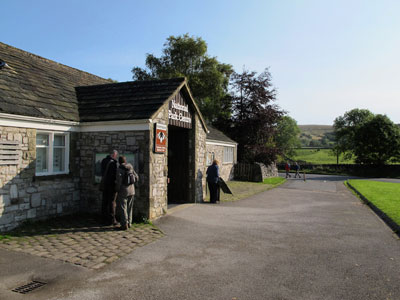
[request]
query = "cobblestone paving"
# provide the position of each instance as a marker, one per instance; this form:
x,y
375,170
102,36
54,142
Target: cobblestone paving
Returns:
x,y
79,240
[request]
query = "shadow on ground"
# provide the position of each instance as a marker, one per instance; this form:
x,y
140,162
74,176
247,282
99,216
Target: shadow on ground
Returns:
x,y
78,239
60,225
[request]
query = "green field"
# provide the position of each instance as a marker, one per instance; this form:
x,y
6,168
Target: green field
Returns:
x,y
384,195
318,156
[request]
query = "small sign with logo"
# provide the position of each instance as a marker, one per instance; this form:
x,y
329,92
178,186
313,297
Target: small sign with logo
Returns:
x,y
160,135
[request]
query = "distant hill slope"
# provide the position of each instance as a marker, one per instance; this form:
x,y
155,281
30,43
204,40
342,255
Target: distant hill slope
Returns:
x,y
316,135
316,129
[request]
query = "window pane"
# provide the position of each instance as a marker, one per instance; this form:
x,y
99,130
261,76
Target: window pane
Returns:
x,y
59,140
42,139
58,159
228,154
41,160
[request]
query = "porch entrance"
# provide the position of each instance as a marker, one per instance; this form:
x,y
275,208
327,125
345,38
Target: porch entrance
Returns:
x,y
178,165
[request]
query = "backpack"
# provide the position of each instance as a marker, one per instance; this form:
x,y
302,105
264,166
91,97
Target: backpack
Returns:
x,y
129,178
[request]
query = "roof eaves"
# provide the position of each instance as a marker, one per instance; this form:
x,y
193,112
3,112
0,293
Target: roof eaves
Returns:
x,y
221,141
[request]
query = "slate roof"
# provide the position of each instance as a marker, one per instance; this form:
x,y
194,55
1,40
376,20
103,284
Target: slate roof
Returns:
x,y
126,100
216,135
31,85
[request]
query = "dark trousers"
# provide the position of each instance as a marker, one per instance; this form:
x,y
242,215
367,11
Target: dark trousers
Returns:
x,y
214,191
108,206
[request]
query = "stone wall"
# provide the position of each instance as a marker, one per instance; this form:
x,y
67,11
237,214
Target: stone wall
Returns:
x,y
200,160
158,196
159,166
389,171
256,172
90,143
24,196
268,171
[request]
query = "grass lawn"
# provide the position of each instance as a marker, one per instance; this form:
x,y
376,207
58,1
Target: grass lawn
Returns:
x,y
384,195
319,156
275,181
244,189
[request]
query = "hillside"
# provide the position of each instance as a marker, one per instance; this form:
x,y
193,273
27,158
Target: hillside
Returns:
x,y
316,135
316,129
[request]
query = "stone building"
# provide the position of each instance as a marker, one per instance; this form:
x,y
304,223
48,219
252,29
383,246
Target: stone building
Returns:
x,y
57,123
223,149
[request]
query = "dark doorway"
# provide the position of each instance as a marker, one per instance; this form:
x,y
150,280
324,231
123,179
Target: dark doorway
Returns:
x,y
178,164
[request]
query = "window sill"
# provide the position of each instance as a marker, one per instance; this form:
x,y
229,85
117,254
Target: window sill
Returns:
x,y
52,176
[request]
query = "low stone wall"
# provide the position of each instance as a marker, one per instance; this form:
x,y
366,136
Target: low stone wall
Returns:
x,y
352,169
268,171
256,172
25,196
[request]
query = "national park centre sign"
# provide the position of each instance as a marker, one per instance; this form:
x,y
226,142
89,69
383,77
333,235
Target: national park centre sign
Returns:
x,y
178,112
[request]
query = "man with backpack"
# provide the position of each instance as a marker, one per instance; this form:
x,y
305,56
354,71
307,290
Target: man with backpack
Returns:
x,y
125,187
297,169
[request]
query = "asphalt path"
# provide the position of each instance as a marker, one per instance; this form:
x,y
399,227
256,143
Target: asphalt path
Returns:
x,y
306,240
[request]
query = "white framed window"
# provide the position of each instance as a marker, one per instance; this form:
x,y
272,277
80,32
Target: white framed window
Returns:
x,y
52,153
228,154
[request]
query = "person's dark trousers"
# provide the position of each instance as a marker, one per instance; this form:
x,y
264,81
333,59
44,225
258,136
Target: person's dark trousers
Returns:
x,y
108,207
214,192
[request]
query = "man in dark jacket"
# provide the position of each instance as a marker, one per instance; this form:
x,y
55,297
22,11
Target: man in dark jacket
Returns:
x,y
212,180
108,172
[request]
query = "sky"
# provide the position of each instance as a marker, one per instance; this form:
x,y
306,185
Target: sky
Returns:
x,y
325,57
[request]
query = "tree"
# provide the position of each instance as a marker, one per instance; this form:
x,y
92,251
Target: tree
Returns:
x,y
372,139
287,137
315,143
254,116
186,56
377,141
345,128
